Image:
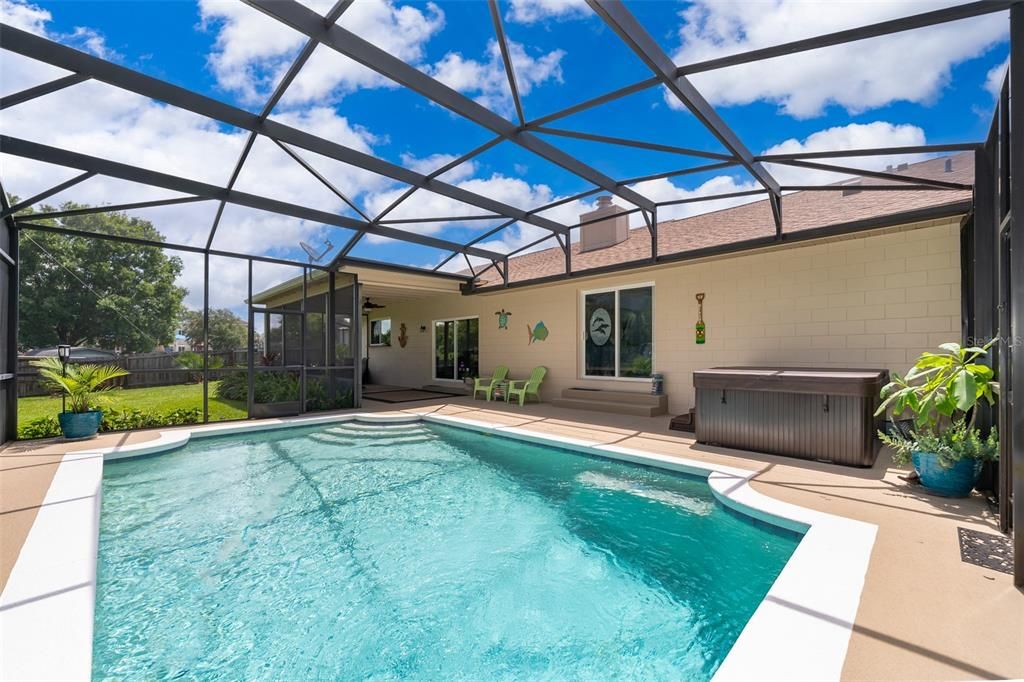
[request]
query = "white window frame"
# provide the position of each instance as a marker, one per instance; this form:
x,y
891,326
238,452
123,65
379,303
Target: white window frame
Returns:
x,y
370,332
582,347
433,346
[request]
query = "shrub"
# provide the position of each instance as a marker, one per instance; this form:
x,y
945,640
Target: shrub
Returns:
x,y
233,386
43,427
269,387
137,419
194,361
120,420
318,399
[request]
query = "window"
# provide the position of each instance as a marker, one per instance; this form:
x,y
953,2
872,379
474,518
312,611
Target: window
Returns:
x,y
457,348
380,332
618,334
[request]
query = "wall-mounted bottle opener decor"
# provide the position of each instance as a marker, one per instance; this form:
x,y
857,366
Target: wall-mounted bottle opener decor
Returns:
x,y
402,337
503,316
701,329
538,333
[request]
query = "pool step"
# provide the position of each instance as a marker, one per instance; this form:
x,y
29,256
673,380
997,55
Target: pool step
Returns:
x,y
632,403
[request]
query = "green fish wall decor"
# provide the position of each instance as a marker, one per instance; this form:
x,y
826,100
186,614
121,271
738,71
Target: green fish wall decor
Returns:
x,y
538,333
503,316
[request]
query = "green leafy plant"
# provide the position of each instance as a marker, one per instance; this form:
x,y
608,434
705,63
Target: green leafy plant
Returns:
x,y
137,419
194,361
121,420
81,383
43,427
942,385
268,387
949,445
942,392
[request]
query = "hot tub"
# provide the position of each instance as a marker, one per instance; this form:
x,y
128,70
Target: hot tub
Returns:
x,y
820,414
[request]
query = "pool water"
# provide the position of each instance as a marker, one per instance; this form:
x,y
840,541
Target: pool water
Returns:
x,y
417,551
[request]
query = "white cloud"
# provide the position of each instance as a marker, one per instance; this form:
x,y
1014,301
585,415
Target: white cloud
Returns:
x,y
253,50
854,136
89,40
429,164
994,78
532,11
909,66
118,125
26,16
487,81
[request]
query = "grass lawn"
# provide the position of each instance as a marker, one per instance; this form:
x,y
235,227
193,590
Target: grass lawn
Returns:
x,y
158,399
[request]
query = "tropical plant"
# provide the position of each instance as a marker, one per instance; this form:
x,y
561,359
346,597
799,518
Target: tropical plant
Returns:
x,y
941,387
194,361
81,383
949,445
942,391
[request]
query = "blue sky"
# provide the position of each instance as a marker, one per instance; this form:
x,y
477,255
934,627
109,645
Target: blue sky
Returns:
x,y
932,85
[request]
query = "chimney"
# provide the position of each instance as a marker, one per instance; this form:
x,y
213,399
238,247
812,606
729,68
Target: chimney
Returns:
x,y
601,234
903,166
949,166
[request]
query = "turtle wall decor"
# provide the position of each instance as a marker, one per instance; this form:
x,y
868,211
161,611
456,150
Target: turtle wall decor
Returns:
x,y
503,316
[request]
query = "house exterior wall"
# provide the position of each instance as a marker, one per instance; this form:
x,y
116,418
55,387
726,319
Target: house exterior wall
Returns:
x,y
874,300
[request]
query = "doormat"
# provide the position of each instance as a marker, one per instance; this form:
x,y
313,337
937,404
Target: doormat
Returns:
x,y
986,550
404,396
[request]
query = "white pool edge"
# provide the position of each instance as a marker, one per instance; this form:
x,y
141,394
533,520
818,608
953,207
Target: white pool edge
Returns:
x,y
800,631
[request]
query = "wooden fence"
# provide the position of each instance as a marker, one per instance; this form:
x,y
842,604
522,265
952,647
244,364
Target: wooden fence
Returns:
x,y
147,369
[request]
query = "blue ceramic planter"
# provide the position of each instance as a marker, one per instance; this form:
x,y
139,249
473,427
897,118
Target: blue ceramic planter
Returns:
x,y
80,424
956,481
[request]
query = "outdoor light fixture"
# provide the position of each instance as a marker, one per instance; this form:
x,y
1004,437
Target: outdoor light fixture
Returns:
x,y
64,354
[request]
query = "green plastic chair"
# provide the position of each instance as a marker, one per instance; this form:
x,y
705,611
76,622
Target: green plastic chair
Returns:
x,y
488,385
526,388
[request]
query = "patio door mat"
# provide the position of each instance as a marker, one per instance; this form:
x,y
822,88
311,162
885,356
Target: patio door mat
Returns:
x,y
403,395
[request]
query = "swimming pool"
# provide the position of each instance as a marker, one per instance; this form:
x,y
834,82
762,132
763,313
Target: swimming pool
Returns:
x,y
356,550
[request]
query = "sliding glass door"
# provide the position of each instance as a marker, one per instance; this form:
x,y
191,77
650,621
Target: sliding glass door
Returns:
x,y
456,348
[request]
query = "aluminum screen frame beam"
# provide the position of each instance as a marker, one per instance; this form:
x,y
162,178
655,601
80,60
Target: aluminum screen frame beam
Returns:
x,y
307,51
114,169
55,54
882,28
35,91
636,37
305,21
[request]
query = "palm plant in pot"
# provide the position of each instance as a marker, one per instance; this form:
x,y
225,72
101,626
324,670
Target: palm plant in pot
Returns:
x,y
81,384
943,391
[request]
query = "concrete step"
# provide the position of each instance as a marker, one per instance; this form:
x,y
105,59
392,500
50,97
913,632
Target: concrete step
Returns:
x,y
632,409
624,397
453,388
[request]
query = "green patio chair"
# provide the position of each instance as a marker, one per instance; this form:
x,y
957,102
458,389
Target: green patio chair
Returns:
x,y
488,385
529,387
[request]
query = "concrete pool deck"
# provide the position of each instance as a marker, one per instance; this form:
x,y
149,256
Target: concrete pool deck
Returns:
x,y
924,614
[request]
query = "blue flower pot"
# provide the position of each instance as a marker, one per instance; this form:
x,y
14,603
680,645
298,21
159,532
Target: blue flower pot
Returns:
x,y
956,481
75,425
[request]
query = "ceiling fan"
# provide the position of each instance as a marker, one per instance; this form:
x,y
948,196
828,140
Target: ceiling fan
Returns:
x,y
368,305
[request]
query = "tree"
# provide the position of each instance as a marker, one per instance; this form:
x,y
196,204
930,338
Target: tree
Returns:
x,y
96,292
227,330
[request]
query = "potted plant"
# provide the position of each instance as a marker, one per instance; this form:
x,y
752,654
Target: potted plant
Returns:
x,y
80,384
942,392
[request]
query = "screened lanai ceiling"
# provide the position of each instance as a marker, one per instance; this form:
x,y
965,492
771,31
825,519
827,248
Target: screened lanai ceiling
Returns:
x,y
456,136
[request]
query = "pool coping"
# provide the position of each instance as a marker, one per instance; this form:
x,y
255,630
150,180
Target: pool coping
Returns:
x,y
800,630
